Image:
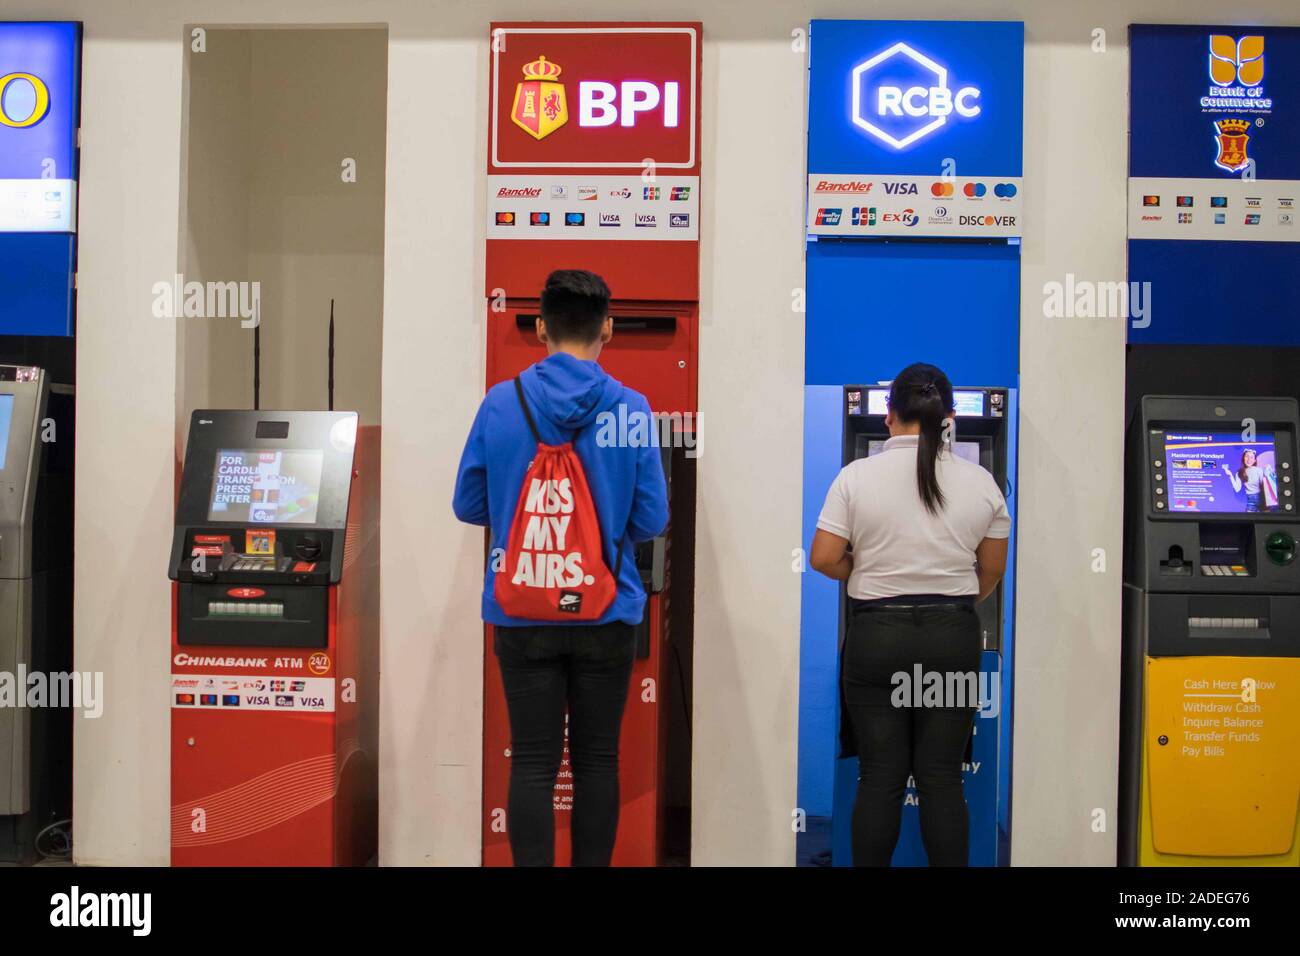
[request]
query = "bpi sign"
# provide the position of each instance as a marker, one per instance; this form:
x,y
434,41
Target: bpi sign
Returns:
x,y
901,95
604,104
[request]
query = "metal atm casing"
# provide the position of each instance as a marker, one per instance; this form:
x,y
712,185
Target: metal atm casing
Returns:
x,y
35,601
1200,782
274,717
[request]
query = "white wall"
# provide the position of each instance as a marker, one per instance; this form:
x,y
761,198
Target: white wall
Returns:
x,y
747,606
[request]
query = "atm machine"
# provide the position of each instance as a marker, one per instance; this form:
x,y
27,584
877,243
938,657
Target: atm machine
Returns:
x,y
579,195
275,683
1210,694
36,452
983,436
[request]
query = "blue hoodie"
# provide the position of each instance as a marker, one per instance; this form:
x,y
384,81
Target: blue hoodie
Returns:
x,y
565,395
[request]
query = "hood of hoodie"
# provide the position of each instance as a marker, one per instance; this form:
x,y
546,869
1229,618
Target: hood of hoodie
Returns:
x,y
570,392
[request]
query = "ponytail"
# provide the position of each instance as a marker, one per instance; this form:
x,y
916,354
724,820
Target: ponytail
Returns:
x,y
922,394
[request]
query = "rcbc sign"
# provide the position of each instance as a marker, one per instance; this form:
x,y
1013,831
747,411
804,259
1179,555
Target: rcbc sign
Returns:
x,y
594,97
900,95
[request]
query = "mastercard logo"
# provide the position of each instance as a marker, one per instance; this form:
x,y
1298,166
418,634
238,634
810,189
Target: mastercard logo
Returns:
x,y
505,219
974,190
941,190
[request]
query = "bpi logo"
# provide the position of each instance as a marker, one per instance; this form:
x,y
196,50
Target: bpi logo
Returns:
x,y
24,100
901,95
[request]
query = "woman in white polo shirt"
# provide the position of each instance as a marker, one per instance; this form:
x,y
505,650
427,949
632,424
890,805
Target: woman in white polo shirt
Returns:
x,y
920,535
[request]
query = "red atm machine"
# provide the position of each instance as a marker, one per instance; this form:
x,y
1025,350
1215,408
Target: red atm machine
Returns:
x,y
594,163
275,675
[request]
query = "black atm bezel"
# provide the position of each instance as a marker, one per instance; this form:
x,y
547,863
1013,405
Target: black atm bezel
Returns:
x,y
214,429
211,431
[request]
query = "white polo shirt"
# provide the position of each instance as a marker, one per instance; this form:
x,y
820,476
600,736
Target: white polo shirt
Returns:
x,y
899,548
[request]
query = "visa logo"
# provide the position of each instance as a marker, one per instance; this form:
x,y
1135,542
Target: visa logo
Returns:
x,y
257,700
900,189
313,702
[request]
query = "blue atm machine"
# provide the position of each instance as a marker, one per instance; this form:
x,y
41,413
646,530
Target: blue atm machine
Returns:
x,y
913,254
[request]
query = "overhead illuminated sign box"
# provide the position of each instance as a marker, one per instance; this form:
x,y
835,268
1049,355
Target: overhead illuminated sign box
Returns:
x,y
594,132
39,116
1214,141
917,127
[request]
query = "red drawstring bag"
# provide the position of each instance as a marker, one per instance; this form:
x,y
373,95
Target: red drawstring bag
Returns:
x,y
554,564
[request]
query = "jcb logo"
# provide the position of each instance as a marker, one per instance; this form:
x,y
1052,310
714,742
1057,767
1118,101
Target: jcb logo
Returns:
x,y
24,100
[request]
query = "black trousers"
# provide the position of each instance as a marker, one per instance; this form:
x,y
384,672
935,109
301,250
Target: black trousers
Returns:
x,y
896,738
583,670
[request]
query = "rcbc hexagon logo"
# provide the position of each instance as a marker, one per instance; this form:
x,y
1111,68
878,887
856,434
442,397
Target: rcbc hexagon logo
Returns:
x,y
900,96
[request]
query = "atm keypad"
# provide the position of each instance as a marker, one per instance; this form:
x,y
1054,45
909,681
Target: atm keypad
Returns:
x,y
253,562
1225,570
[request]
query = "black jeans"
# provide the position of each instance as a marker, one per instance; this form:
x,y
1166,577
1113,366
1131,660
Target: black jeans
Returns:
x,y
896,738
584,669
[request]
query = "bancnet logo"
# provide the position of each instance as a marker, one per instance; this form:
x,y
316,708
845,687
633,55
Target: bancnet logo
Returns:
x,y
519,192
855,186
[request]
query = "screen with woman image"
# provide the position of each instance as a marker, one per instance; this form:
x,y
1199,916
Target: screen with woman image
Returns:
x,y
1219,473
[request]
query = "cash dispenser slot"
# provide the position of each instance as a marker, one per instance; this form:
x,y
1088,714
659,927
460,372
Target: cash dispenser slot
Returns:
x,y
219,614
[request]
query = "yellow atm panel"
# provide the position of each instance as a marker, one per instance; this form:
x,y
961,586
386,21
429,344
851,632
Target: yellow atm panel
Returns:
x,y
1222,752
1210,686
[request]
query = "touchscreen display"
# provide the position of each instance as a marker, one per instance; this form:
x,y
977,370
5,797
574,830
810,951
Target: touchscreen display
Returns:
x,y
1219,473
266,487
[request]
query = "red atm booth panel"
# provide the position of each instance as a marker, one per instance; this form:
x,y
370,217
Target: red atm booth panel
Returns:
x,y
653,349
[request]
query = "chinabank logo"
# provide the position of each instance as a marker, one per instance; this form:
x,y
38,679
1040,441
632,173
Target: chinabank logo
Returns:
x,y
540,108
24,100
901,96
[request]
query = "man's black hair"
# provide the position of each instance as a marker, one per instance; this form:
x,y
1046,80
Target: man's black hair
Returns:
x,y
575,304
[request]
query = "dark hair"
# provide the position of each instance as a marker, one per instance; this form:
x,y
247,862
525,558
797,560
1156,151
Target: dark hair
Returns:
x,y
922,393
575,304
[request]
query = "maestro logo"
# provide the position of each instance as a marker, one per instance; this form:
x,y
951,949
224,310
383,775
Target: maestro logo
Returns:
x,y
901,95
24,100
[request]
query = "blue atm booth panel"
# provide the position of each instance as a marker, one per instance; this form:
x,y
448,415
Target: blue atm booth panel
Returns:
x,y
883,307
36,283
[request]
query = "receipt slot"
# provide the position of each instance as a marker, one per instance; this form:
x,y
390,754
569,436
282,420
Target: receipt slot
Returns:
x,y
984,435
1210,695
274,686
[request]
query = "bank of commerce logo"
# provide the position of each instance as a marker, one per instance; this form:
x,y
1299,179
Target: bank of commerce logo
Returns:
x,y
540,108
1234,60
900,96
1232,139
828,217
24,100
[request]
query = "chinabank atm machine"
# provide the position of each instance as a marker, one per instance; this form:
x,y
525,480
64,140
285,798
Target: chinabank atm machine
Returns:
x,y
1210,697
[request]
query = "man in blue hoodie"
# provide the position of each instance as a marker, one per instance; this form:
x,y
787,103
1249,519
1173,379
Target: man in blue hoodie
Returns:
x,y
549,667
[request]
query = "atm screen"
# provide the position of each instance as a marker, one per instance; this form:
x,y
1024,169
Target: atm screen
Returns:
x,y
967,403
6,415
266,487
1218,473
970,450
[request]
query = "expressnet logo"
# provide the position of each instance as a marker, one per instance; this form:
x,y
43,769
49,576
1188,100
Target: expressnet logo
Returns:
x,y
899,115
907,217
